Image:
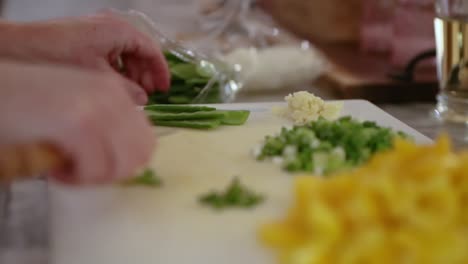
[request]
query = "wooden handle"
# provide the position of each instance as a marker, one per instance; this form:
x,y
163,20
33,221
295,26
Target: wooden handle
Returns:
x,y
23,161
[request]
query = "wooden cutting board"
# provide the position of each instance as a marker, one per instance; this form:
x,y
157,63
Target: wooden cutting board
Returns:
x,y
167,225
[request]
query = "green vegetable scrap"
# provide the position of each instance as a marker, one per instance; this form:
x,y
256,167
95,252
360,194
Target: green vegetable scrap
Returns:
x,y
195,124
178,108
188,80
198,117
235,118
236,195
324,147
201,115
146,178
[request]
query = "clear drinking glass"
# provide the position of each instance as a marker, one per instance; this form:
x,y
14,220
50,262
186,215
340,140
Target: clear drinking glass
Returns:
x,y
451,32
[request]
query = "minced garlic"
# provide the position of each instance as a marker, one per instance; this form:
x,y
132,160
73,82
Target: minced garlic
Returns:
x,y
304,107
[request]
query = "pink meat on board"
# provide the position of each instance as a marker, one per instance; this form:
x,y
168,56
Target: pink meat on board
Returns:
x,y
413,30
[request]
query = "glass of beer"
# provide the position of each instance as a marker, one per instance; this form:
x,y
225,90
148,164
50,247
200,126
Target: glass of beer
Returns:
x,y
451,32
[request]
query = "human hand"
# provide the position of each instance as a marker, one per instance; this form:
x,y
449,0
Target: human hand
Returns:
x,y
95,42
86,115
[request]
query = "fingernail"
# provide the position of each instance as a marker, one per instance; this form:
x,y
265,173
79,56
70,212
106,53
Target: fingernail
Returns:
x,y
142,98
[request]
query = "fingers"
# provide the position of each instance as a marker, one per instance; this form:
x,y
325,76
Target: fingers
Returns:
x,y
139,71
129,132
85,144
135,92
144,61
107,140
87,115
157,69
147,62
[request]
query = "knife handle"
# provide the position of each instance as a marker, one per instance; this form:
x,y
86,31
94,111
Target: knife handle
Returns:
x,y
27,161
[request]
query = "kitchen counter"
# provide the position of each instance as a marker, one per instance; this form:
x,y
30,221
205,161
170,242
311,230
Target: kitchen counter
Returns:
x,y
419,116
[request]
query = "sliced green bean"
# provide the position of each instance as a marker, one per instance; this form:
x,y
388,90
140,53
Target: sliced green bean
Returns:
x,y
178,108
235,118
185,71
179,99
172,58
159,116
197,81
197,124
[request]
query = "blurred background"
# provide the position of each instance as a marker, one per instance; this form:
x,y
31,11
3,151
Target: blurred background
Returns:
x,y
367,44
379,50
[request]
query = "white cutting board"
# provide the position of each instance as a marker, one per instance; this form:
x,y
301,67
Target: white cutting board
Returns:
x,y
167,225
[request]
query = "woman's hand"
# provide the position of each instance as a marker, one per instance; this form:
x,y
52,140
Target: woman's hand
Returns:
x,y
88,116
94,42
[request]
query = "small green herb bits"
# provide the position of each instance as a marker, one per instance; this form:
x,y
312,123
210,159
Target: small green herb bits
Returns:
x,y
235,196
146,178
324,147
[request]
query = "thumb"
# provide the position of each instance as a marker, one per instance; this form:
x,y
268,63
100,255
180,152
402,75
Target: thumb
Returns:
x,y
136,92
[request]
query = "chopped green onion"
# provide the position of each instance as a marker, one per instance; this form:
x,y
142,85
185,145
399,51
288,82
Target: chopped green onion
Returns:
x,y
236,195
146,178
324,147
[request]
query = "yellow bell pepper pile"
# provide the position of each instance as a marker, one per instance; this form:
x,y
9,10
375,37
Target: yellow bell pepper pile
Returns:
x,y
408,205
